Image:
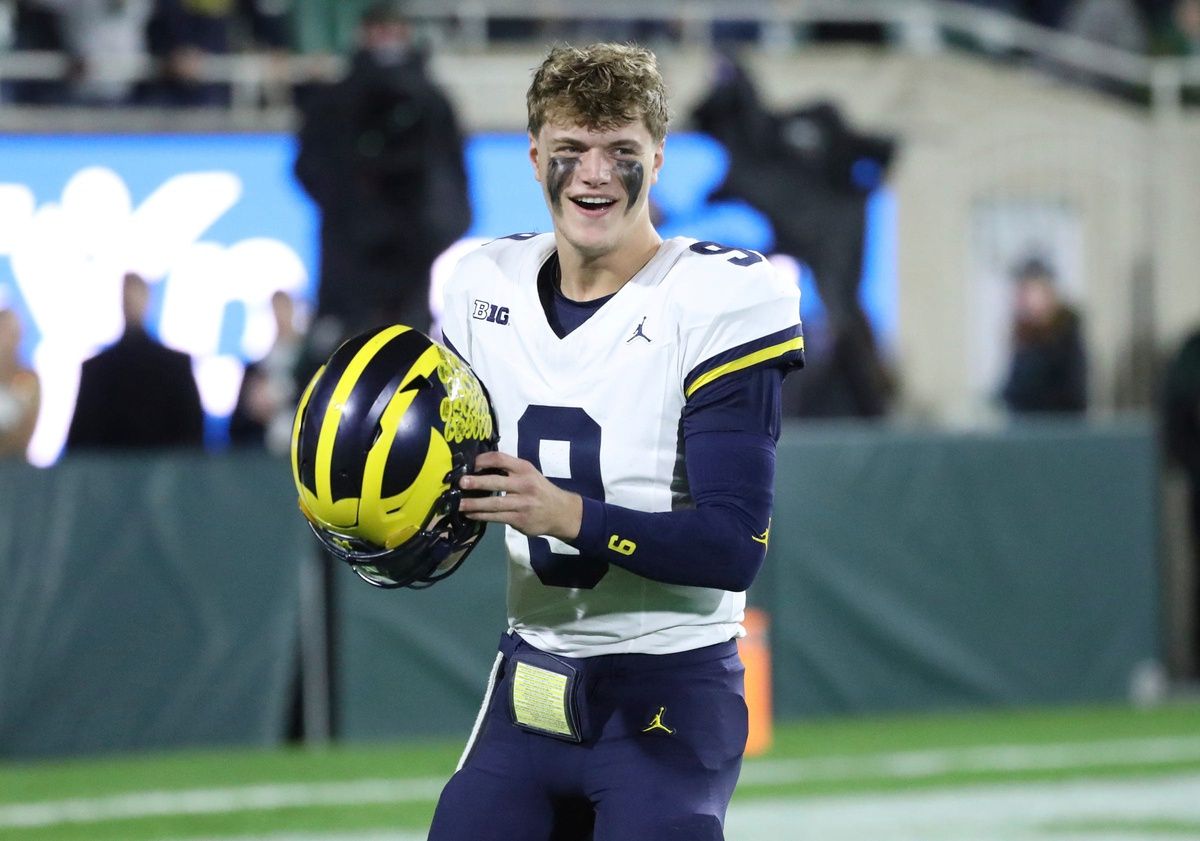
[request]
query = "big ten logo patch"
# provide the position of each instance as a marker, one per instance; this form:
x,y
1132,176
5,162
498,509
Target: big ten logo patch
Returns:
x,y
490,312
464,410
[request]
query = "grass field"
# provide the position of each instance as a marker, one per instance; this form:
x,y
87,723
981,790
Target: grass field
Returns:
x,y
1100,774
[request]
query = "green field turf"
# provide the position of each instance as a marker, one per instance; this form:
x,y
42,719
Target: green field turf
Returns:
x,y
824,768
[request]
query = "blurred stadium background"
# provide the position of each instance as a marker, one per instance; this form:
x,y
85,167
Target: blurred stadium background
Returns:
x,y
979,628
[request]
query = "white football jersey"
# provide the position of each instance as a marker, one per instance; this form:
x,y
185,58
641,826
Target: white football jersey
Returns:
x,y
598,411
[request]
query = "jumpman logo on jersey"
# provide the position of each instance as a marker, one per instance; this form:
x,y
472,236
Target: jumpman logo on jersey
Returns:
x,y
765,536
656,723
637,333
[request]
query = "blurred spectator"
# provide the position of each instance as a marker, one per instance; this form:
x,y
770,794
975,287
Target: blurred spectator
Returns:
x,y
36,28
381,154
8,39
185,33
810,173
106,40
267,399
1041,12
586,27
1048,370
727,33
1117,23
1180,33
136,393
1181,415
1016,8
20,390
1046,12
576,21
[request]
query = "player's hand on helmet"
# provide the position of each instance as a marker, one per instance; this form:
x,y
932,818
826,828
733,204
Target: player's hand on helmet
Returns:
x,y
526,500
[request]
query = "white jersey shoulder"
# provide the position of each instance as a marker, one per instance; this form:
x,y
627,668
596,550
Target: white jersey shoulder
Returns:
x,y
723,273
489,272
733,310
516,255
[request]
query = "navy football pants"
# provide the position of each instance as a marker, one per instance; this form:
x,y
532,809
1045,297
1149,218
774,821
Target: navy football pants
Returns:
x,y
660,763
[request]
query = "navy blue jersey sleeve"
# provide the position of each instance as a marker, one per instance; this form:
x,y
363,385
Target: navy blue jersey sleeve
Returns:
x,y
749,401
729,430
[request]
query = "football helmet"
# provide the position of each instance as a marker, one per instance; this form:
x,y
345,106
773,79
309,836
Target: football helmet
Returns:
x,y
382,434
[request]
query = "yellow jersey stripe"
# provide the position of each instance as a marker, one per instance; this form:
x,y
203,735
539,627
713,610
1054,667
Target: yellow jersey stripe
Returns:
x,y
743,362
333,414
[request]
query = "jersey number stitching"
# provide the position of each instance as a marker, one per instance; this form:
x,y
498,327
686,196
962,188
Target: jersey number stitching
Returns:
x,y
582,434
748,258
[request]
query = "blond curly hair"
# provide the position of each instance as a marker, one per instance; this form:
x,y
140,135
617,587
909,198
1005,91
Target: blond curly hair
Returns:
x,y
601,87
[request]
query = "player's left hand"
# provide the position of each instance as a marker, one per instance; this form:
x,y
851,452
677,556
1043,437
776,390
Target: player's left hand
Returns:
x,y
528,501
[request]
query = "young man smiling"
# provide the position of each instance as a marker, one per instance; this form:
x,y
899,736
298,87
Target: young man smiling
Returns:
x,y
636,384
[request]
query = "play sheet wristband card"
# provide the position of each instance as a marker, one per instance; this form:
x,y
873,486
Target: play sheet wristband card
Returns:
x,y
543,696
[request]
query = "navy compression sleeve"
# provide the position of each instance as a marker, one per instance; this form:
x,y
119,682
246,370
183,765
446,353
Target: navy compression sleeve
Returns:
x,y
729,453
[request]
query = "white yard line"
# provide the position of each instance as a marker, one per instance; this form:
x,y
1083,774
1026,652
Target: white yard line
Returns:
x,y
899,765
931,763
1009,812
209,801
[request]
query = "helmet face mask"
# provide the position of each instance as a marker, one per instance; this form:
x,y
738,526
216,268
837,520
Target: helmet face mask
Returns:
x,y
381,437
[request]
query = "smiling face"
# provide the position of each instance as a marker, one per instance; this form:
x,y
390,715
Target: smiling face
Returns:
x,y
597,183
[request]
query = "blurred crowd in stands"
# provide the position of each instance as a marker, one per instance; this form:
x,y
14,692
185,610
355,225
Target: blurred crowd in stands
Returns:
x,y
108,41
1157,27
163,44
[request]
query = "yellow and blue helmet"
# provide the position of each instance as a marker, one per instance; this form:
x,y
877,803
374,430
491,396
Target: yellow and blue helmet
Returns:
x,y
382,434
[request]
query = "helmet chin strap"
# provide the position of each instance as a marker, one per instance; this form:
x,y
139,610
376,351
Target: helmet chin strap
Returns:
x,y
433,553
420,562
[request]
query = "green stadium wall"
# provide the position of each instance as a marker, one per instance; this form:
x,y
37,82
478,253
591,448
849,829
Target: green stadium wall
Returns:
x,y
146,603
153,602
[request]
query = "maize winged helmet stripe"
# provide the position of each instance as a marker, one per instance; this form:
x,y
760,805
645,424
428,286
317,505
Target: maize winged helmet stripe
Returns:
x,y
388,522
300,407
344,512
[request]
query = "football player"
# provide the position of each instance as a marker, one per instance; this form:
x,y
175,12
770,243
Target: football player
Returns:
x,y
636,384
